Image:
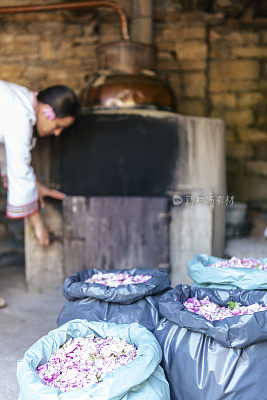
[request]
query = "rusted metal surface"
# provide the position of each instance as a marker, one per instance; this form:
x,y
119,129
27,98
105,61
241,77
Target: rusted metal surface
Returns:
x,y
128,57
119,91
71,6
115,232
126,79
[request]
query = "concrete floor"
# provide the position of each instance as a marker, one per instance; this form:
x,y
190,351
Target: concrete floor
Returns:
x,y
27,317
247,247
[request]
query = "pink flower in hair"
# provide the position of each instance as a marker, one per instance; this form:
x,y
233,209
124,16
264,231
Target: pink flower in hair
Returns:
x,y
49,112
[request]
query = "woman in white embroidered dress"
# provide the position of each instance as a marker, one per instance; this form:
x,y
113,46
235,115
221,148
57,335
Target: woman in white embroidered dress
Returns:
x,y
51,110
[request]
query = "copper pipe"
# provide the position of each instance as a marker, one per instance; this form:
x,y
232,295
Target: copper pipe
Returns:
x,y
71,6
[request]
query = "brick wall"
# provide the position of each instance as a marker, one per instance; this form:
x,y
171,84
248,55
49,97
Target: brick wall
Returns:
x,y
215,66
237,93
218,69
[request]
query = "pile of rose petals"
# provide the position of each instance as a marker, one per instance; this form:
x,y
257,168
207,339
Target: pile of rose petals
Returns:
x,y
81,362
114,280
246,262
213,312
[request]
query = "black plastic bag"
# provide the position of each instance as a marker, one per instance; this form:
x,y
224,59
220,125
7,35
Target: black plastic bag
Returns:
x,y
124,304
213,360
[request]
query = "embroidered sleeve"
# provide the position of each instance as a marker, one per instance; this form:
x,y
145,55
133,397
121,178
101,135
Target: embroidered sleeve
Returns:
x,y
22,198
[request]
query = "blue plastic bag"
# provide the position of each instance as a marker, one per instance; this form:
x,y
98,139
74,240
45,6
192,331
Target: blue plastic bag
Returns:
x,y
213,360
141,378
205,276
124,304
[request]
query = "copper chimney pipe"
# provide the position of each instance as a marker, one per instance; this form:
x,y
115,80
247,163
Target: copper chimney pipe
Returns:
x,y
142,21
71,6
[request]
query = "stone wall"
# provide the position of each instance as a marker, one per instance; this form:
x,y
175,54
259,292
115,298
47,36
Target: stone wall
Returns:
x,y
219,69
216,66
238,94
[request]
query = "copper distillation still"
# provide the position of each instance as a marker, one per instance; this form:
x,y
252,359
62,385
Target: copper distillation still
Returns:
x,y
126,76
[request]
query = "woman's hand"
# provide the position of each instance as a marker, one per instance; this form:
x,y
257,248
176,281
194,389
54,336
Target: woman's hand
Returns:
x,y
40,230
44,191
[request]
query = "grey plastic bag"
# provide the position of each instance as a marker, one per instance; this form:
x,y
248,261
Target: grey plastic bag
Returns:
x,y
124,304
213,360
